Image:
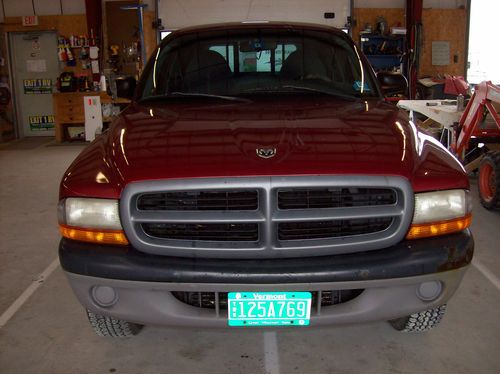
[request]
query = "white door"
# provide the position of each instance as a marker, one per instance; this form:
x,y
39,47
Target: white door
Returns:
x,y
35,68
177,14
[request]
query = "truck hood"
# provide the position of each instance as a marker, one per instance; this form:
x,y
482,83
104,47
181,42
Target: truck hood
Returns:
x,y
311,136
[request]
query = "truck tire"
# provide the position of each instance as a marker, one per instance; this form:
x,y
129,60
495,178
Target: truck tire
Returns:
x,y
489,180
421,321
108,326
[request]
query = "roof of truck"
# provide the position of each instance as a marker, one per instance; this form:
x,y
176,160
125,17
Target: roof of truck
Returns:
x,y
258,24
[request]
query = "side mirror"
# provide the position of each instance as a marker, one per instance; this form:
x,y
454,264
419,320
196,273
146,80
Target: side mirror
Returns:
x,y
392,84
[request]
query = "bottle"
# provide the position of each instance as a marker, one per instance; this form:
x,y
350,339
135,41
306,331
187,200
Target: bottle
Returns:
x,y
460,103
103,83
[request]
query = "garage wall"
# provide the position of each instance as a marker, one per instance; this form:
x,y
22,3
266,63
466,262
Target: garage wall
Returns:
x,y
181,13
444,25
442,21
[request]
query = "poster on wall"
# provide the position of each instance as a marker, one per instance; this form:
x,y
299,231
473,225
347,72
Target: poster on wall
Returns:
x,y
37,86
41,123
36,66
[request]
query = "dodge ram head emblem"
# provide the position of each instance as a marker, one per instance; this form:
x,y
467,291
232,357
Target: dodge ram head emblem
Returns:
x,y
266,152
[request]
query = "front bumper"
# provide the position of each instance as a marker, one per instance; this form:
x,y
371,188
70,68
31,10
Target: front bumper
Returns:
x,y
390,278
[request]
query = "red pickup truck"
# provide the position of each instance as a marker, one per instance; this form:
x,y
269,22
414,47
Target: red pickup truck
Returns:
x,y
259,179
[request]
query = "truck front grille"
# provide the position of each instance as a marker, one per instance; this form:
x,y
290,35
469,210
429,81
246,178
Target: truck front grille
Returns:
x,y
218,300
266,217
199,200
240,232
335,197
331,229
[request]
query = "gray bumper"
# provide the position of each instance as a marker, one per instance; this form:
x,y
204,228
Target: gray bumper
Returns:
x,y
151,303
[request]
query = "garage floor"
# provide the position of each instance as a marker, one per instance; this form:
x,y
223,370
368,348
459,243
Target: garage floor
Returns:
x,y
48,331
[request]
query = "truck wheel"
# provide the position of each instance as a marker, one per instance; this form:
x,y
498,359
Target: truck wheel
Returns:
x,y
108,326
421,321
489,180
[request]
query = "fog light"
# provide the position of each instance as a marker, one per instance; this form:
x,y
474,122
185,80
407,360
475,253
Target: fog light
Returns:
x,y
429,291
104,296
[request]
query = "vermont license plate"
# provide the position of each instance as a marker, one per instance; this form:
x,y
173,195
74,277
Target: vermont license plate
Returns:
x,y
269,308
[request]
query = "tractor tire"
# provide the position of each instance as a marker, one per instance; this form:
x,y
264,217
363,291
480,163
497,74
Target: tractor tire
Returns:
x,y
421,321
115,328
489,180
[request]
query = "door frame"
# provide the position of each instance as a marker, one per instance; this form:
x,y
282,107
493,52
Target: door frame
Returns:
x,y
18,128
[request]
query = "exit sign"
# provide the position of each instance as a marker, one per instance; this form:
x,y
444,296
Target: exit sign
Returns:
x,y
30,20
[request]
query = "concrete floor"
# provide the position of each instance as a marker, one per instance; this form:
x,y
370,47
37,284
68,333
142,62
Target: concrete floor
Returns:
x,y
49,332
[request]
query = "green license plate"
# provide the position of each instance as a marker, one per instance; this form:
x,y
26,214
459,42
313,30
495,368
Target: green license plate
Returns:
x,y
269,308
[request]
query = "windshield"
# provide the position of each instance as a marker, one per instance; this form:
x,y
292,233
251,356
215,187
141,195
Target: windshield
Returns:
x,y
246,62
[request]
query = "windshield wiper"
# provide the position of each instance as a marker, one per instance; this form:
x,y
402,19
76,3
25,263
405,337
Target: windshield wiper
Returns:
x,y
195,94
289,88
200,94
317,90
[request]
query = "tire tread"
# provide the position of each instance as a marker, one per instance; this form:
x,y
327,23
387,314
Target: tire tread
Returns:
x,y
111,327
420,321
494,159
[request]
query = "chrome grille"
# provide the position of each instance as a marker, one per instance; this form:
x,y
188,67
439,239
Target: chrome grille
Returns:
x,y
335,197
199,200
266,217
331,229
244,232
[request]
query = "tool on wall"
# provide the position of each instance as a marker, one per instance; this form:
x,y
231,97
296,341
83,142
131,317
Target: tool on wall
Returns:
x,y
140,13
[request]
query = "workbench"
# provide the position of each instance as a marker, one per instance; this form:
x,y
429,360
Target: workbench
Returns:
x,y
444,114
69,109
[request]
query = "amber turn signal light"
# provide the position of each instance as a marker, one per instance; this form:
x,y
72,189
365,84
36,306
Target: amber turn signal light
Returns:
x,y
426,230
116,237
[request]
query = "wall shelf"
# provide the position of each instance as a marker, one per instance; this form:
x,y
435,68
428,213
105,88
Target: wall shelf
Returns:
x,y
384,52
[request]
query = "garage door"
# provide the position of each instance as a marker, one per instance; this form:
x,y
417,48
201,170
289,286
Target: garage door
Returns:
x,y
182,13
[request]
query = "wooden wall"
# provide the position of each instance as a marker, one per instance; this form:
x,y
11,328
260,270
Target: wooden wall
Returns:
x,y
75,24
444,25
438,24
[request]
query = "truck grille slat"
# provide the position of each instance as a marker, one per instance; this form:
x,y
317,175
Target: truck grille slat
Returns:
x,y
330,229
266,217
334,198
199,200
213,232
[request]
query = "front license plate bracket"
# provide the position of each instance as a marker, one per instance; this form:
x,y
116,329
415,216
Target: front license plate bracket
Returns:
x,y
250,309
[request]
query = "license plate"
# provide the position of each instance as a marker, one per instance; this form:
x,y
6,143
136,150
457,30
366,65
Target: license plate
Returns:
x,y
269,308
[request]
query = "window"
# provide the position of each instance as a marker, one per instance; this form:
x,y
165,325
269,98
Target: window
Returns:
x,y
226,51
257,61
282,53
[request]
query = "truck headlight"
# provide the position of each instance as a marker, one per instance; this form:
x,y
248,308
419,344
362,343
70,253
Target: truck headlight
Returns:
x,y
439,213
91,220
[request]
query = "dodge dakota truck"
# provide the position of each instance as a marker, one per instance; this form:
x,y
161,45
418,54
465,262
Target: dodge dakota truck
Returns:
x,y
259,180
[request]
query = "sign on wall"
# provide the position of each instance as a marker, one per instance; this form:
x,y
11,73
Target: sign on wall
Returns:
x,y
440,53
30,20
37,86
41,122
